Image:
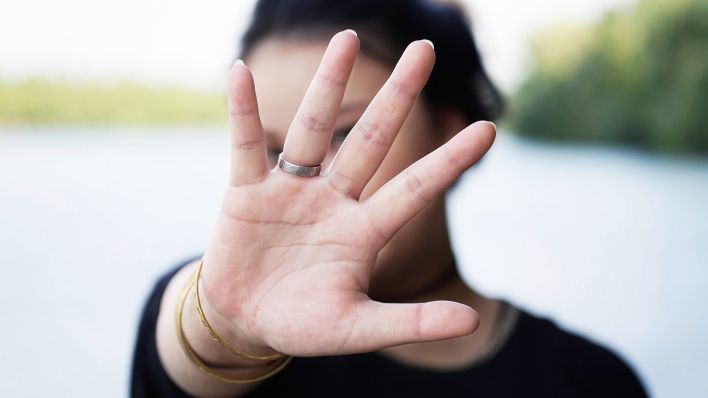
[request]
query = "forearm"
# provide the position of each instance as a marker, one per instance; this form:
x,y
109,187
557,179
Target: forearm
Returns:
x,y
177,364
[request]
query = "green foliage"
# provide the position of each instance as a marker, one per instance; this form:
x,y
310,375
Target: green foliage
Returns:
x,y
642,80
45,102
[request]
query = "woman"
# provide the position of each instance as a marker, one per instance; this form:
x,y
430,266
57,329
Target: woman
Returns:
x,y
344,263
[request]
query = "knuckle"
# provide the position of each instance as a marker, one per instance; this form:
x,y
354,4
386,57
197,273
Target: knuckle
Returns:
x,y
350,333
418,321
341,183
246,145
416,188
240,110
313,124
370,132
332,80
333,72
402,88
380,237
452,159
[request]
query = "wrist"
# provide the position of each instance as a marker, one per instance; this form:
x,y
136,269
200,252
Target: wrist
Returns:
x,y
228,333
272,366
210,350
223,294
222,323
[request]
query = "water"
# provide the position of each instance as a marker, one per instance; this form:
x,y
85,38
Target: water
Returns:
x,y
611,243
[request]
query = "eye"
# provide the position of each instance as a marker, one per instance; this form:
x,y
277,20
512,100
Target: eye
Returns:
x,y
273,155
339,136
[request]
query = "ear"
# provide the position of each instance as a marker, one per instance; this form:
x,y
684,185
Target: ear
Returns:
x,y
449,122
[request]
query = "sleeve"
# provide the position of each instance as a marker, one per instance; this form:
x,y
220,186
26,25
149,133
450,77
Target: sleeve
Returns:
x,y
148,377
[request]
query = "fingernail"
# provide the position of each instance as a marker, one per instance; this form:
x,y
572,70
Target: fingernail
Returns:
x,y
493,124
352,32
239,62
429,42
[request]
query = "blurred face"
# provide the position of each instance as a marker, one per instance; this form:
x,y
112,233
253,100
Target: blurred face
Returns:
x,y
282,71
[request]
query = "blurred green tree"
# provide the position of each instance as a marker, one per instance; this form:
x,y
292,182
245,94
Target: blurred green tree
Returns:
x,y
41,101
640,77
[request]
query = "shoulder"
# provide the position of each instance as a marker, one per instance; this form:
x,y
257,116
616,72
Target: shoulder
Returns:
x,y
588,368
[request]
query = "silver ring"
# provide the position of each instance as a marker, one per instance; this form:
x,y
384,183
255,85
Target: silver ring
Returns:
x,y
296,169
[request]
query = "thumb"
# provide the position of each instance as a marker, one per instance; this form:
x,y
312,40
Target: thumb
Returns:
x,y
380,325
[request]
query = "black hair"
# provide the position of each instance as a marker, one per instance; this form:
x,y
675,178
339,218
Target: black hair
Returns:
x,y
385,28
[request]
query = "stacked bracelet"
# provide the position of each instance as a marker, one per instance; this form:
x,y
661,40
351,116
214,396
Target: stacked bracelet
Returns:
x,y
212,332
278,362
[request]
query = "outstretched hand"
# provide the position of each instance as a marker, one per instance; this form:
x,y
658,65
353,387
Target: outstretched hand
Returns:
x,y
289,264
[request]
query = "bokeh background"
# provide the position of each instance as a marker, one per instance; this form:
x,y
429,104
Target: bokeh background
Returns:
x,y
592,207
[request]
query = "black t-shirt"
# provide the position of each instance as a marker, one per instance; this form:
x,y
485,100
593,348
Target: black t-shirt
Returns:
x,y
537,359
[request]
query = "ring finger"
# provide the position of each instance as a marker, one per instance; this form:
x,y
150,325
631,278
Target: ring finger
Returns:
x,y
364,149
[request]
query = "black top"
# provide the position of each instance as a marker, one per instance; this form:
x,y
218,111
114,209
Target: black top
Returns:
x,y
537,359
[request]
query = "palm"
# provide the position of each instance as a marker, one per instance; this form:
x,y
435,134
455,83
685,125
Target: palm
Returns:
x,y
317,248
291,258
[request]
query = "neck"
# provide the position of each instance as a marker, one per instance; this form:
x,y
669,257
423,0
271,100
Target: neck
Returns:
x,y
445,284
455,353
436,287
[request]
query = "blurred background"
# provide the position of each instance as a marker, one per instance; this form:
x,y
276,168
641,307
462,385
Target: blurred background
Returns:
x,y
592,207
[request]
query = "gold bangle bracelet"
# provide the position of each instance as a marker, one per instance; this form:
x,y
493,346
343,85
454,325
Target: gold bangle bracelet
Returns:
x,y
269,371
212,332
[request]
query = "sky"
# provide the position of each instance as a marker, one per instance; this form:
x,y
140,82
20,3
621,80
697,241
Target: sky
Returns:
x,y
190,44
